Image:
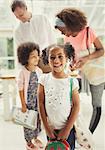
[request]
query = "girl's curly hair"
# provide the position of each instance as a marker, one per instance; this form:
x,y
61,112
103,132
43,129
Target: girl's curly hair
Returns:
x,y
68,49
24,51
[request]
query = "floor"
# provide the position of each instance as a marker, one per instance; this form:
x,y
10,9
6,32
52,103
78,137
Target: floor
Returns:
x,y
11,135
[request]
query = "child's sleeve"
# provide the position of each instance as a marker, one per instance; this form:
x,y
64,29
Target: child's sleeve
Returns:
x,y
42,79
75,84
20,81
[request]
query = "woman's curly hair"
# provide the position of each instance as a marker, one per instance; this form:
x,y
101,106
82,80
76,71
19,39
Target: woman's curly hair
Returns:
x,y
68,50
74,19
24,51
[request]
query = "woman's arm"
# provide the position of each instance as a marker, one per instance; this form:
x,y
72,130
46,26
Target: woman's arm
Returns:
x,y
73,115
42,110
99,51
24,107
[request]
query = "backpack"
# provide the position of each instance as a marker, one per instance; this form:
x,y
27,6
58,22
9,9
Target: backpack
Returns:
x,y
57,145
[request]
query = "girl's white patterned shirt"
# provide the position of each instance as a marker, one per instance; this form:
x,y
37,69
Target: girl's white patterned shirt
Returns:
x,y
57,98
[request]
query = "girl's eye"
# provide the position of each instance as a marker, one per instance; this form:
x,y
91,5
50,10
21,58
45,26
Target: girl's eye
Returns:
x,y
52,57
60,57
33,56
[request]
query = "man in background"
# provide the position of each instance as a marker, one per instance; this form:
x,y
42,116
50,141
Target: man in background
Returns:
x,y
32,28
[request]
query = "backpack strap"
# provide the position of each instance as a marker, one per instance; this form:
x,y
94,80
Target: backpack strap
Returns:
x,y
87,37
71,85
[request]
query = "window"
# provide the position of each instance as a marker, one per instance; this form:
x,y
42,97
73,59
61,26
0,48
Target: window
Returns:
x,y
7,56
